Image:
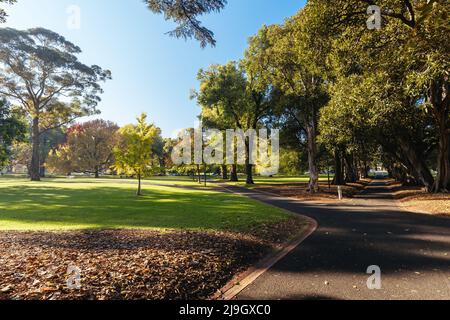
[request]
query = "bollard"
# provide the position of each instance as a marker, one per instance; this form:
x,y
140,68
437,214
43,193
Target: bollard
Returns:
x,y
340,192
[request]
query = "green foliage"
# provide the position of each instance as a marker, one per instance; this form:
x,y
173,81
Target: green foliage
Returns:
x,y
235,96
383,83
12,129
290,162
223,96
185,13
135,154
88,148
38,66
288,59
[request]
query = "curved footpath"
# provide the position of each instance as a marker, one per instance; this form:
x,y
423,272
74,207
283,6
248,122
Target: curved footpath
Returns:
x,y
412,251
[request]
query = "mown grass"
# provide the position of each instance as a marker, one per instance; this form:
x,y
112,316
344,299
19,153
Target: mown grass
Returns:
x,y
66,204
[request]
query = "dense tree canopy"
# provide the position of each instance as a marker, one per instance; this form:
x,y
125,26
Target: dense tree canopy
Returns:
x,y
404,67
367,96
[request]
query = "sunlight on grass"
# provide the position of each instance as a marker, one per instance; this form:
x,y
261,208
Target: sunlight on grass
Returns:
x,y
64,204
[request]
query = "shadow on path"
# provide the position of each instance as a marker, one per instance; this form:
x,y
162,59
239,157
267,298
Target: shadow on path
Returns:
x,y
412,250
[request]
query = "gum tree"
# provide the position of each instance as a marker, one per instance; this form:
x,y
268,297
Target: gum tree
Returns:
x,y
40,71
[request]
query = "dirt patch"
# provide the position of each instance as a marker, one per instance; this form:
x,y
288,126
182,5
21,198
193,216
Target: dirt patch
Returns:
x,y
130,264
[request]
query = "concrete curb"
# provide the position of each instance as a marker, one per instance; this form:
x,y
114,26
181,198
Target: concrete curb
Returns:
x,y
245,279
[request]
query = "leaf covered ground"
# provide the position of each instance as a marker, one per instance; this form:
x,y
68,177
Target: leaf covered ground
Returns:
x,y
130,264
436,204
300,191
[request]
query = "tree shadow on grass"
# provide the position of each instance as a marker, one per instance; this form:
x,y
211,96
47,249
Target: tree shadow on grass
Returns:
x,y
118,207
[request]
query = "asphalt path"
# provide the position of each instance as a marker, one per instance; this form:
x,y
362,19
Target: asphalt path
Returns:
x,y
411,250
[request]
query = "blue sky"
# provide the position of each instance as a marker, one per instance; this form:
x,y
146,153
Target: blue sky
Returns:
x,y
152,72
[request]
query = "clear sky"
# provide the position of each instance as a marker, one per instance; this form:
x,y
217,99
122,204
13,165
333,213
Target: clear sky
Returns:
x,y
152,72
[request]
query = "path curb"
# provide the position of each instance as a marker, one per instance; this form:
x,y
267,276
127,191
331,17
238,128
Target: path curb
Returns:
x,y
245,279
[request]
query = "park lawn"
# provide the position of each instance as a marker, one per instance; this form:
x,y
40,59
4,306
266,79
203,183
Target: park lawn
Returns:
x,y
164,180
66,204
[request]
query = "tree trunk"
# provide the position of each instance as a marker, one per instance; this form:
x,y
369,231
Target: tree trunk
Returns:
x,y
42,171
35,157
339,170
139,191
405,158
440,92
97,173
234,174
248,165
442,183
249,172
312,155
224,172
363,171
419,168
351,172
366,170
199,174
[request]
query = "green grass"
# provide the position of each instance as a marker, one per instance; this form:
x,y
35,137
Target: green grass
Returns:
x,y
84,203
166,180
